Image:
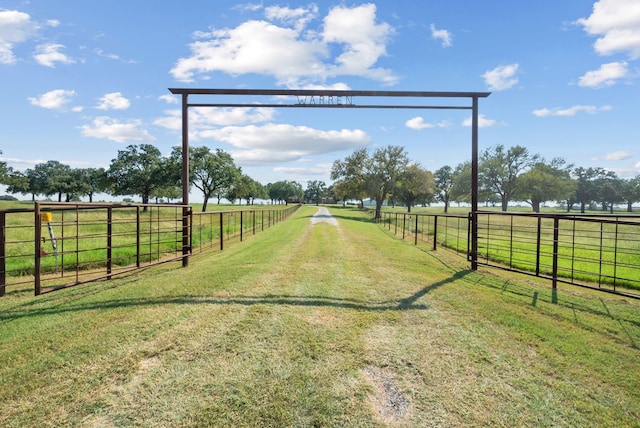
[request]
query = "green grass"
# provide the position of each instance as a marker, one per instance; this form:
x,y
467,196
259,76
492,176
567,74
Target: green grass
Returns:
x,y
319,326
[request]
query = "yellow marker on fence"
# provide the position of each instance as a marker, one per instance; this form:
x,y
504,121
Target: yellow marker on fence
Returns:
x,y
46,217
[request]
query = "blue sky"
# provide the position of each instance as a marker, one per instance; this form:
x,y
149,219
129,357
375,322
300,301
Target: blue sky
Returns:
x,y
81,79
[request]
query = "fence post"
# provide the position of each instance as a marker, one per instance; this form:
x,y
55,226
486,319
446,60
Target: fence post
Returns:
x,y
554,283
38,248
3,253
137,236
539,237
241,225
415,240
221,231
435,231
109,240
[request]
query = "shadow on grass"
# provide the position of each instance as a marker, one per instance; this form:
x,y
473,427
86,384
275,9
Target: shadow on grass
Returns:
x,y
408,303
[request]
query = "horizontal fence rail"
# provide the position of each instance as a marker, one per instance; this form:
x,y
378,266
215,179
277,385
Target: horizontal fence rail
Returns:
x,y
59,245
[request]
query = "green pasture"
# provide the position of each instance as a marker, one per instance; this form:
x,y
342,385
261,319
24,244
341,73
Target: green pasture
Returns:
x,y
317,325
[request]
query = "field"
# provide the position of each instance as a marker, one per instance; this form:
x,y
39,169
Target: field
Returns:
x,y
317,325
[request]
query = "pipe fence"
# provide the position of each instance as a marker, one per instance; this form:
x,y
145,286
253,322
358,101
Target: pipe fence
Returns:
x,y
600,252
59,245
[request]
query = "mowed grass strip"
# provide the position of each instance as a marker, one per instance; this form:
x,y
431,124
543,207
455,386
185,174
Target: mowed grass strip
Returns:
x,y
317,325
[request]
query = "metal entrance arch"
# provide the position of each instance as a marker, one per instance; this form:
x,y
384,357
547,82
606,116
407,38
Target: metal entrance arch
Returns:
x,y
330,98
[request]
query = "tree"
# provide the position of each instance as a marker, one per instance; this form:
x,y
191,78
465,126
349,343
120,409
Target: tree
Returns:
x,y
52,178
609,190
242,187
285,191
461,188
374,176
88,181
499,170
351,174
443,184
415,184
18,182
213,173
586,185
4,172
138,170
315,191
339,192
546,182
630,192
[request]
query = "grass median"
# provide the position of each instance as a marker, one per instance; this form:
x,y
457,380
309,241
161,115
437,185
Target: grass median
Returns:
x,y
318,325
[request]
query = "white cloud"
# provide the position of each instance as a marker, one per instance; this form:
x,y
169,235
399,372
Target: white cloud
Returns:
x,y
618,155
204,119
113,101
501,77
617,25
111,129
297,18
483,122
571,111
15,27
418,123
169,99
49,54
294,56
53,100
272,143
443,35
364,41
606,75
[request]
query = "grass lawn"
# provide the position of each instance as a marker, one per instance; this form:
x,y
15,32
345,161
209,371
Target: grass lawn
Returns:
x,y
317,325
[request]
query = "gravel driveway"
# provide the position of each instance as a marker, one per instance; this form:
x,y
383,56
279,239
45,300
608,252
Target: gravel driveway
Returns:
x,y
323,215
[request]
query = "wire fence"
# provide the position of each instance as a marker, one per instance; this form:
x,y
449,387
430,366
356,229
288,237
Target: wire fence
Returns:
x,y
59,245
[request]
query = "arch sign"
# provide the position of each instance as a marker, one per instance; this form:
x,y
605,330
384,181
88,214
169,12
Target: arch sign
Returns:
x,y
343,99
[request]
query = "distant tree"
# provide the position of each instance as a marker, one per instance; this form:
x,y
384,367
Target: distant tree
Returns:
x,y
315,191
376,175
253,190
138,170
460,190
51,178
18,182
351,173
339,192
241,188
546,182
609,190
499,170
414,184
213,173
4,172
630,192
443,184
285,191
586,185
90,181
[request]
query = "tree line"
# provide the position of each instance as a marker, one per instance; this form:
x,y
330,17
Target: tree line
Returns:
x,y
142,171
504,176
383,175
